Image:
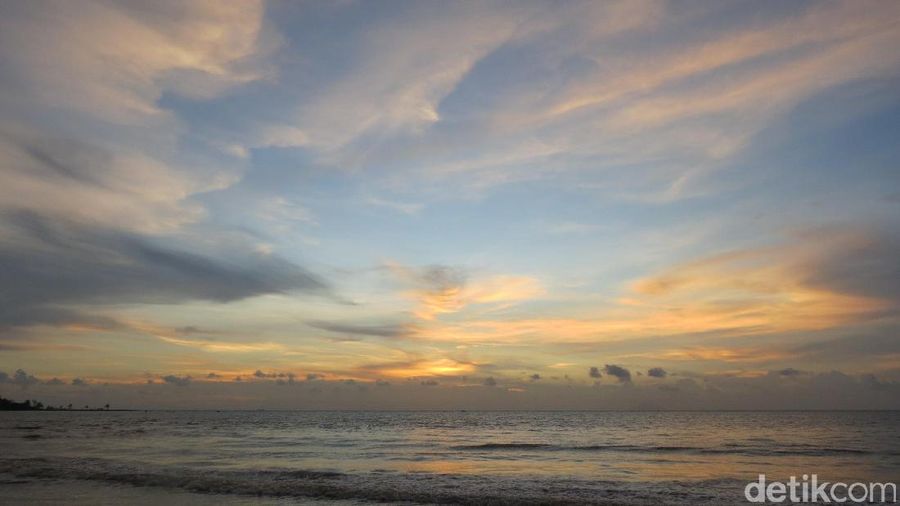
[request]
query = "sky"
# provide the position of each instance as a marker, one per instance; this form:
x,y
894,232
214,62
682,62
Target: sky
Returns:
x,y
450,205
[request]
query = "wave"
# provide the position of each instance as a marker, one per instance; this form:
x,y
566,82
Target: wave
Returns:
x,y
728,450
505,446
427,488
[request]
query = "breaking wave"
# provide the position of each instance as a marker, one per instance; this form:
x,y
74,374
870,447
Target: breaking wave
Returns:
x,y
423,488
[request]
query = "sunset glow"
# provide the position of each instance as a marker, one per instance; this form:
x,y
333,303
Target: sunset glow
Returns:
x,y
426,204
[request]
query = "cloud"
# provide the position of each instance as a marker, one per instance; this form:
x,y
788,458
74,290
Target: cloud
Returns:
x,y
19,378
118,208
790,372
620,373
865,264
377,330
407,208
801,281
417,367
96,146
489,382
723,354
801,284
23,379
181,381
173,336
285,213
55,382
657,372
404,68
571,227
535,377
844,261
440,289
651,122
114,61
79,382
822,390
116,187
285,379
594,372
878,342
282,136
39,346
281,376
52,264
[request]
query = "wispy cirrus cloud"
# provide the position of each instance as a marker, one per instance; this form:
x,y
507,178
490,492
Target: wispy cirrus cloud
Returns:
x,y
651,123
404,68
112,61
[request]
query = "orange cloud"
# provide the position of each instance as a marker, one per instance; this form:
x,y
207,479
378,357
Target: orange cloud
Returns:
x,y
783,288
172,337
420,368
438,290
770,289
695,353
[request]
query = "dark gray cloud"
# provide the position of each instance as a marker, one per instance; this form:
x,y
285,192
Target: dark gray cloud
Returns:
x,y
67,159
620,373
490,382
430,383
535,377
440,278
78,382
869,266
213,375
19,378
181,381
313,376
55,382
390,330
436,280
790,371
55,263
880,342
657,372
594,372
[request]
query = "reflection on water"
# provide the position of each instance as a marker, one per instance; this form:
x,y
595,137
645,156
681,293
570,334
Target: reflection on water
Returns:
x,y
467,453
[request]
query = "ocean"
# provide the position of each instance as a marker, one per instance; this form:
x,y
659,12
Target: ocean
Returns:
x,y
296,457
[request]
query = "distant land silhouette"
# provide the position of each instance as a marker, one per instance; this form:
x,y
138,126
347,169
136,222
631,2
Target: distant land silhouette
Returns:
x,y
33,405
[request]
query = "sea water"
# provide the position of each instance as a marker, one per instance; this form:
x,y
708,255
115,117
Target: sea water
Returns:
x,y
289,457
